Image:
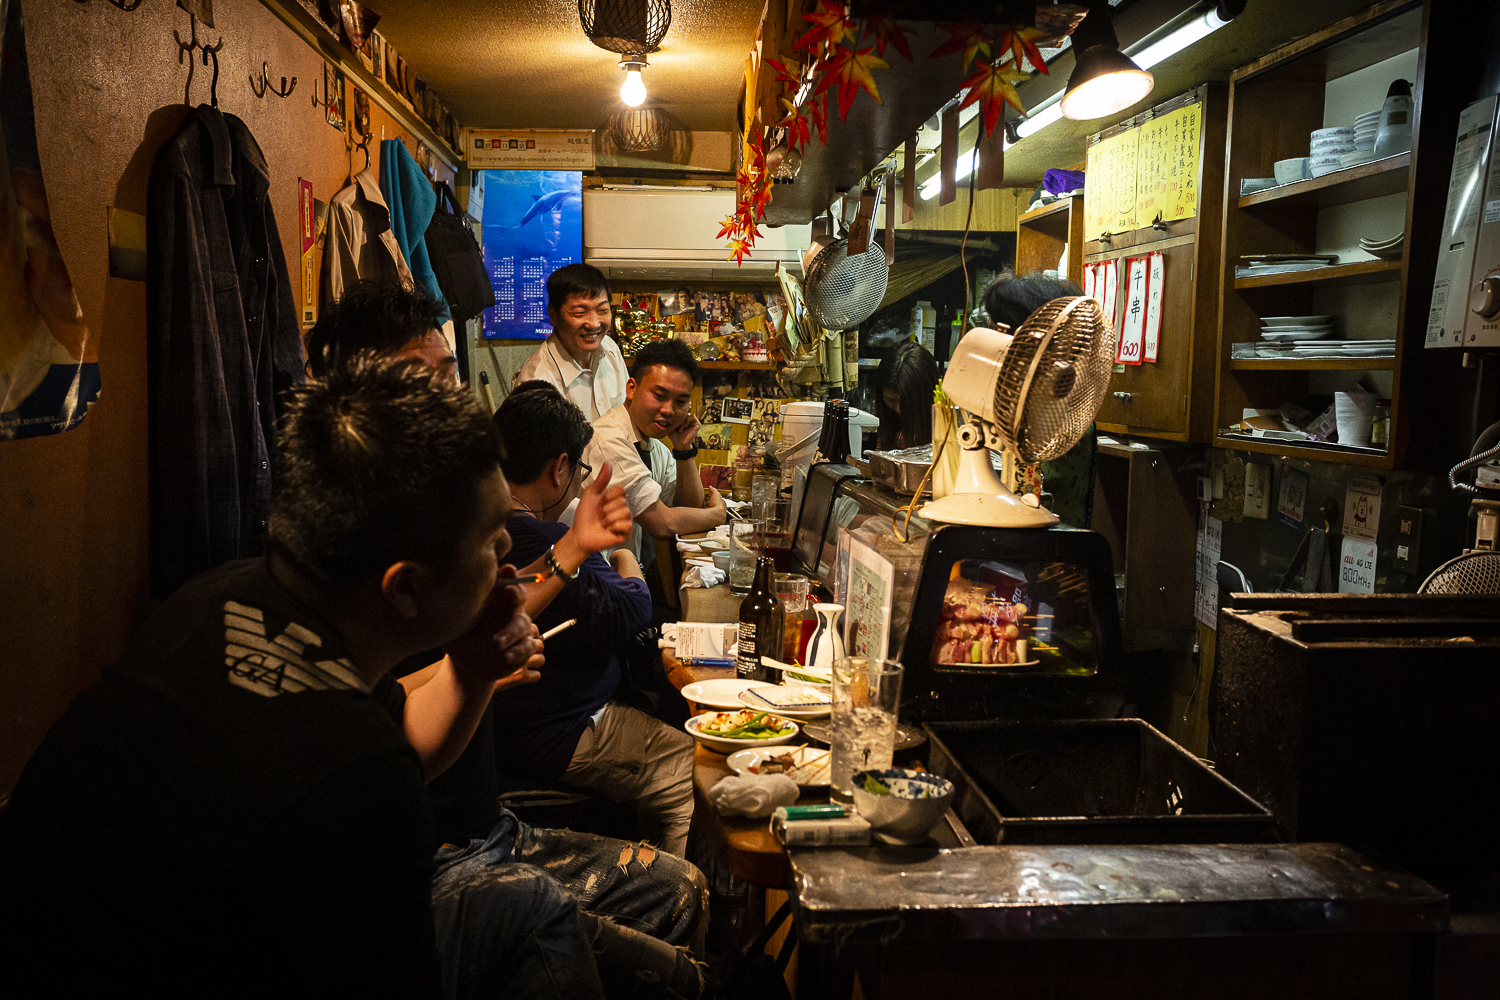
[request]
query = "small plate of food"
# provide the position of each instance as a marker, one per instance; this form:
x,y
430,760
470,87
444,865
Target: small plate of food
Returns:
x,y
806,765
795,701
727,732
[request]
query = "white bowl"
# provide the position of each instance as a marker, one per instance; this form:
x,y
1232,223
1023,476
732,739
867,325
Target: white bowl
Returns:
x,y
725,745
912,804
1338,147
1287,171
1335,131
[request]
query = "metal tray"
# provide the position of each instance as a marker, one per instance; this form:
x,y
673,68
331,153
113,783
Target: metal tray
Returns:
x,y
901,474
1107,781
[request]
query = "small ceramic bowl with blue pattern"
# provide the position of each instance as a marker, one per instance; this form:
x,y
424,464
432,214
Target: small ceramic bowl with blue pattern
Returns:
x,y
902,806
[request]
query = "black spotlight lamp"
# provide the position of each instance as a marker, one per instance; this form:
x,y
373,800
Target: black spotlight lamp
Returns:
x,y
1105,81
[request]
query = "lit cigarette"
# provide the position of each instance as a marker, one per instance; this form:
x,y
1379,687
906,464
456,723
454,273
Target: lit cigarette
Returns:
x,y
565,625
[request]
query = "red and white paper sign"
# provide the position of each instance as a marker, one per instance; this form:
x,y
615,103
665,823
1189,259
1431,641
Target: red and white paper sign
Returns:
x,y
1155,284
1109,278
1088,279
1133,321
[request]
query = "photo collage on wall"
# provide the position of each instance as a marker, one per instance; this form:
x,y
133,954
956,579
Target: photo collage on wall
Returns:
x,y
737,409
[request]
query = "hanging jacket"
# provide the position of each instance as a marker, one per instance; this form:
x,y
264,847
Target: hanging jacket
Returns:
x,y
359,244
222,342
411,199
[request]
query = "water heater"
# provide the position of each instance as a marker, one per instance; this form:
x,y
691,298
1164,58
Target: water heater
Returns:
x,y
1466,291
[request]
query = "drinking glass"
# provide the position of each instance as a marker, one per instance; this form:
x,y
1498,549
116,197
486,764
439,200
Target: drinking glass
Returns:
x,y
792,588
746,538
866,696
776,535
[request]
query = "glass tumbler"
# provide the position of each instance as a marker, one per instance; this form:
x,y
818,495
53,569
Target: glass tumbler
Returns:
x,y
745,541
792,588
866,696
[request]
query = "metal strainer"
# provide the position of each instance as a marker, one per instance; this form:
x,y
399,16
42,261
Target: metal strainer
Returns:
x,y
1054,377
842,291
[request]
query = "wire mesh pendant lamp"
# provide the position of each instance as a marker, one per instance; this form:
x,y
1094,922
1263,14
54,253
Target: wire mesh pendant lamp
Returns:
x,y
625,26
641,130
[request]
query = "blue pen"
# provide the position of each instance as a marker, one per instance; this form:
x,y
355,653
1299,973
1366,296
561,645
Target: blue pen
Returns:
x,y
708,661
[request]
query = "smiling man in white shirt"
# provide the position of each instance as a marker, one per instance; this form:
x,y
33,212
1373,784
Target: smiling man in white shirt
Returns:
x,y
648,442
580,358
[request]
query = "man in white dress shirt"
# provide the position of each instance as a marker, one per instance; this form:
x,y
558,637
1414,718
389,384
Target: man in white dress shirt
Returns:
x,y
661,481
580,358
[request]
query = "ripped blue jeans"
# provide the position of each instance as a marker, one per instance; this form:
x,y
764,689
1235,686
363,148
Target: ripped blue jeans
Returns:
x,y
546,913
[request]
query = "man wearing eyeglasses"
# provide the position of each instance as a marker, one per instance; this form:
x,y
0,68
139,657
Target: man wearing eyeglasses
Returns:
x,y
566,726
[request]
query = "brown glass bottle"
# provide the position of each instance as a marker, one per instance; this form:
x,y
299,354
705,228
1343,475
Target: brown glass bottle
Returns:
x,y
761,618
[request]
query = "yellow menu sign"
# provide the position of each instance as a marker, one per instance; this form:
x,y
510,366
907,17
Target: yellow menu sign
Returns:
x,y
1109,198
1142,171
1167,166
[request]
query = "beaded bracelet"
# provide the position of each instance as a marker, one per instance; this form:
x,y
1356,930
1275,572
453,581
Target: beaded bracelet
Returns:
x,y
556,567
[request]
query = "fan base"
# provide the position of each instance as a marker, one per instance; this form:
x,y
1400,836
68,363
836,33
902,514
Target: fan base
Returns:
x,y
994,510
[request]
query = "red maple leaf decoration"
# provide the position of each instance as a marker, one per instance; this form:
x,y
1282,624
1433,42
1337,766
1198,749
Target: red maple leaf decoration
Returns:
x,y
992,86
739,249
887,30
798,130
850,69
729,227
786,75
967,37
829,27
1020,42
820,118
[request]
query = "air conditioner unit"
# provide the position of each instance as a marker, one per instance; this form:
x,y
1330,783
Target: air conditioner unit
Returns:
x,y
671,234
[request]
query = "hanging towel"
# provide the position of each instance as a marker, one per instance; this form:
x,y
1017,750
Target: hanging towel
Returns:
x,y
410,197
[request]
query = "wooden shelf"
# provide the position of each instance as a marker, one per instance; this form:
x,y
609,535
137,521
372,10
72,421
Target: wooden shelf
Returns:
x,y
1309,451
1313,364
738,366
1368,180
1362,272
1051,219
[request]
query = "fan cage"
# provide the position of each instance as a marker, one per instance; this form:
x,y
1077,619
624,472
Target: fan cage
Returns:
x,y
641,130
1070,379
629,27
1472,573
843,291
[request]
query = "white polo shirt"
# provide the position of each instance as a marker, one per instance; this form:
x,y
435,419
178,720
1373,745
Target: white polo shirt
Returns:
x,y
614,441
595,390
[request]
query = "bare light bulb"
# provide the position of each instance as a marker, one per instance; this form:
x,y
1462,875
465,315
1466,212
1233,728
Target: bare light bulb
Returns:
x,y
634,91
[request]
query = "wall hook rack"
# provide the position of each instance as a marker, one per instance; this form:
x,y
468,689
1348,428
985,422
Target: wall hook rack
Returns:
x,y
187,48
264,84
125,5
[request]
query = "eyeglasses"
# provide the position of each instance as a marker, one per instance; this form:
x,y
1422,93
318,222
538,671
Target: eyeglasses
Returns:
x,y
588,470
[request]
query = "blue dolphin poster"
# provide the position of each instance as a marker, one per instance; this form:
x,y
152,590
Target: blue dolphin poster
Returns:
x,y
533,224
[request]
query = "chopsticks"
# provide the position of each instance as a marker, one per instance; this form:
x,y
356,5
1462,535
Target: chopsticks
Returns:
x,y
822,673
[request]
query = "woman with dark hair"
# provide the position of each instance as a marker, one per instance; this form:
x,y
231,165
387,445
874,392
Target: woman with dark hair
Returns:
x,y
1070,478
903,397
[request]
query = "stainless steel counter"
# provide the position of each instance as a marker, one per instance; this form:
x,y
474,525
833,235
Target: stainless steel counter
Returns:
x,y
1080,893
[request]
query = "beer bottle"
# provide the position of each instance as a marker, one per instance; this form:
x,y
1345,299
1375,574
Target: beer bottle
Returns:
x,y
761,624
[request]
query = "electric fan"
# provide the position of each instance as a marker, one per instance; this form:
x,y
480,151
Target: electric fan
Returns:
x,y
1036,390
1477,571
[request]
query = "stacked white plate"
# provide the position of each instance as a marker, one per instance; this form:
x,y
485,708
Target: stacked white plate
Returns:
x,y
1389,249
1290,328
1365,127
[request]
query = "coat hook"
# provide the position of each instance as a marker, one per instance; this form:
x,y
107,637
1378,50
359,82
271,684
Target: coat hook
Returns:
x,y
265,84
1157,222
186,48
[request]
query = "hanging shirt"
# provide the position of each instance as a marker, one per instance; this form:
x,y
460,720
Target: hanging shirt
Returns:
x,y
408,191
642,466
360,244
221,342
595,390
